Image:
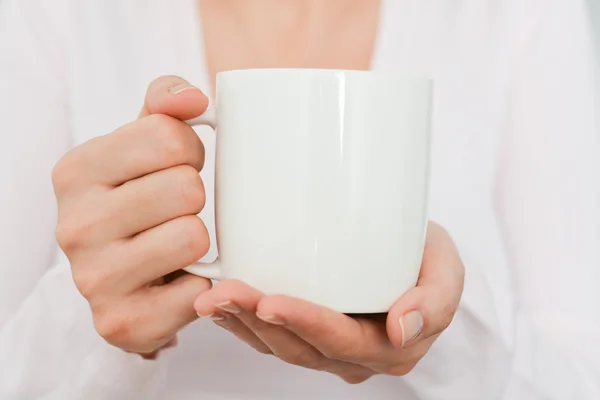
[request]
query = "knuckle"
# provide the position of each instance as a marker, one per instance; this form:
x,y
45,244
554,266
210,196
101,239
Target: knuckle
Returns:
x,y
71,235
113,327
191,188
89,283
63,173
196,238
80,226
59,177
85,285
121,329
170,142
64,237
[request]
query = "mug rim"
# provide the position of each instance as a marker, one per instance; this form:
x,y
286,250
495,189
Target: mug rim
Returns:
x,y
325,71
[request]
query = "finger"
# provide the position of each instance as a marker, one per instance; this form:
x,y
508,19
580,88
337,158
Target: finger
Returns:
x,y
174,96
160,251
170,307
337,336
241,331
428,309
149,201
154,143
150,319
240,301
212,305
157,141
143,259
237,301
138,205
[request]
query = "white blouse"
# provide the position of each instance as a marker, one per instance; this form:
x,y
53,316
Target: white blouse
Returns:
x,y
516,181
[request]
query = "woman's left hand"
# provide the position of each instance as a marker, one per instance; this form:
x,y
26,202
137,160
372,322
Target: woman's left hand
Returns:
x,y
353,348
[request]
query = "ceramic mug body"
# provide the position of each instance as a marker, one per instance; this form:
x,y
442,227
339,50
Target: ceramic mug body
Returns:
x,y
321,184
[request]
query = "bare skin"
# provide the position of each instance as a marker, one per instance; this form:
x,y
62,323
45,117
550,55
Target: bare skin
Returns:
x,y
128,203
291,33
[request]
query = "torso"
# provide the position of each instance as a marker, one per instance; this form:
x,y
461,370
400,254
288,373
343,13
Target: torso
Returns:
x,y
120,49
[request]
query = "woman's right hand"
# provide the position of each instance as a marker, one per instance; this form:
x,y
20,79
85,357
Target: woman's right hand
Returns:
x,y
127,205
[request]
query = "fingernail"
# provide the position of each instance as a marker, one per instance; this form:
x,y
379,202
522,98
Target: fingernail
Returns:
x,y
223,323
271,319
229,306
213,316
182,87
411,324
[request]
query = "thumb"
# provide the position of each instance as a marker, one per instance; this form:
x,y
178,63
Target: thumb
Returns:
x,y
175,97
428,309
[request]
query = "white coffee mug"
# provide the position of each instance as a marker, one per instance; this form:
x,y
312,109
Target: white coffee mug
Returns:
x,y
321,184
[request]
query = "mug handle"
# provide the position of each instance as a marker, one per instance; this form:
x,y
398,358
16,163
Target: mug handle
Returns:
x,y
207,270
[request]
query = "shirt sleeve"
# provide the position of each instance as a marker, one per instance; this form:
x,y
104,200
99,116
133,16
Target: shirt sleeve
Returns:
x,y
548,199
48,346
547,202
